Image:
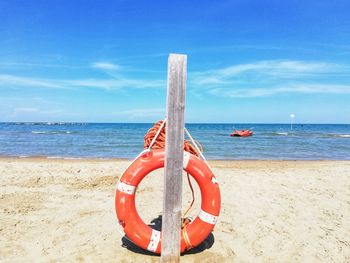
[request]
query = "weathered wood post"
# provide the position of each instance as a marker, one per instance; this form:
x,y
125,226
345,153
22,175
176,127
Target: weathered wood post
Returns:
x,y
172,197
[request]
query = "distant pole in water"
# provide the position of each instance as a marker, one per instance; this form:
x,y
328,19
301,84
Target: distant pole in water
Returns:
x,y
292,115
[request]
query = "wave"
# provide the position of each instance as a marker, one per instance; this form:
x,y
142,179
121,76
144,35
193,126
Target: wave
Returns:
x,y
63,123
63,157
274,133
334,135
50,123
342,135
52,132
54,123
281,133
312,134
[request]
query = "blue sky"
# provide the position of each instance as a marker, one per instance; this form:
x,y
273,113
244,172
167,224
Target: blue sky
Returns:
x,y
106,61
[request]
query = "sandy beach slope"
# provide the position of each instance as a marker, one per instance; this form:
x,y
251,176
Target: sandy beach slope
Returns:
x,y
272,211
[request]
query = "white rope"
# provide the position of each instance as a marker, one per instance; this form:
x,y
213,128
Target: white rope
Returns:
x,y
192,140
198,150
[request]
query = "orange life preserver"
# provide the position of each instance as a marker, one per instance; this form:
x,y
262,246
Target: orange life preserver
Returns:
x,y
143,235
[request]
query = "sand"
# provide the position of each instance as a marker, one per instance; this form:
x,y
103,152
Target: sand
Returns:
x,y
272,211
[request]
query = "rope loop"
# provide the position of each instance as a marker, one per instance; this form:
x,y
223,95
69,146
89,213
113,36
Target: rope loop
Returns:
x,y
185,223
155,139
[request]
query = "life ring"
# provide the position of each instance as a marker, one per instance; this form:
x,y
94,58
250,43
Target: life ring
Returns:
x,y
143,235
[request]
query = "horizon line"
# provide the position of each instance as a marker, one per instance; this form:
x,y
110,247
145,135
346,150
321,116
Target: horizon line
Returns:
x,y
232,123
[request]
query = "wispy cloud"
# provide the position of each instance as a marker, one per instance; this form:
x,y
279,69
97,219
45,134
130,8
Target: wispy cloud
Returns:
x,y
270,68
147,113
106,84
19,108
292,89
105,66
26,110
6,80
115,84
267,78
261,78
38,65
35,113
115,80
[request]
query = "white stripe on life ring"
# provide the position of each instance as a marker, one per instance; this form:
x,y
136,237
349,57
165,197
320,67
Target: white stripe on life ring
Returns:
x,y
208,218
214,180
126,188
153,243
187,156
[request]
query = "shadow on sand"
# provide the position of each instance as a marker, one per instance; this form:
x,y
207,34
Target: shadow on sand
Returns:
x,y
156,224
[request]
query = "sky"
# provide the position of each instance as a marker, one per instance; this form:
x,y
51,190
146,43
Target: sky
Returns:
x,y
106,61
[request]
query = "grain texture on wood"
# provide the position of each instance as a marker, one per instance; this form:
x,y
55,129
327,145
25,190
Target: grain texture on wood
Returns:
x,y
172,198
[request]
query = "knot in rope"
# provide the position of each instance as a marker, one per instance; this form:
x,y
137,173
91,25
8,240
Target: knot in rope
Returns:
x,y
159,142
185,223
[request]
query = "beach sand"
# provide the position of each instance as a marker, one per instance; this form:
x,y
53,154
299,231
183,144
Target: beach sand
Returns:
x,y
55,210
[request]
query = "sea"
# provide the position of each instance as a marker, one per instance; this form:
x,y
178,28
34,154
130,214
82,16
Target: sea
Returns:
x,y
125,140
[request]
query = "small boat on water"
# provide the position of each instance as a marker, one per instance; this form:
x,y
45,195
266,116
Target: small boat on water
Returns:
x,y
241,133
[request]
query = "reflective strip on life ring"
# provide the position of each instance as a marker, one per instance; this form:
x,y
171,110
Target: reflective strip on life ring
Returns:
x,y
143,235
126,188
187,156
153,243
208,218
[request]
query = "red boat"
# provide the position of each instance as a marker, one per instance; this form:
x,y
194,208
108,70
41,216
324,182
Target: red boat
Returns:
x,y
242,133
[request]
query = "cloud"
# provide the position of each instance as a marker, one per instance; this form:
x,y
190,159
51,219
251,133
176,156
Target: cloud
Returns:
x,y
106,66
26,110
106,84
155,113
257,79
14,80
260,69
267,78
37,65
293,89
115,84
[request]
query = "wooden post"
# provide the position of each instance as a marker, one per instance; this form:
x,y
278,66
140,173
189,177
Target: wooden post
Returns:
x,y
172,197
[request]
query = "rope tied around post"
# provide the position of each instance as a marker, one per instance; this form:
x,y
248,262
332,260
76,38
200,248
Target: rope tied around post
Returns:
x,y
155,139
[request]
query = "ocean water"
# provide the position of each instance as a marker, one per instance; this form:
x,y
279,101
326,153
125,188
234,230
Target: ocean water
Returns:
x,y
125,140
